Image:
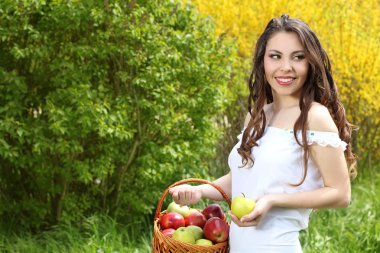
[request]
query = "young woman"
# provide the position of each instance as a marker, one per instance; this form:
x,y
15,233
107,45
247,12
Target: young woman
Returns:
x,y
294,153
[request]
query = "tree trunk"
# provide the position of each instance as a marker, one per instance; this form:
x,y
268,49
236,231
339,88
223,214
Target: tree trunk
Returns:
x,y
117,181
56,202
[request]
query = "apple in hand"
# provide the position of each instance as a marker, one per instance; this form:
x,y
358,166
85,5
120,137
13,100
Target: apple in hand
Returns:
x,y
216,230
242,205
168,231
196,219
182,210
184,235
197,231
204,242
172,220
213,210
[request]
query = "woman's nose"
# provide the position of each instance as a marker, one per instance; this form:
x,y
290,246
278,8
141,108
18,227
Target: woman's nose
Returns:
x,y
286,65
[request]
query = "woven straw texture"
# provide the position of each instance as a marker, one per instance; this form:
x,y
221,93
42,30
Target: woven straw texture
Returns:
x,y
165,244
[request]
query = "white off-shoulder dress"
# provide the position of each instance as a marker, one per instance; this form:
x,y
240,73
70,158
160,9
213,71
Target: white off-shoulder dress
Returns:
x,y
278,164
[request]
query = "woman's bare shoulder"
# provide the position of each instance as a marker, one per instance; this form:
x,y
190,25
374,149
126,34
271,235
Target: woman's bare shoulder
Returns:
x,y
320,119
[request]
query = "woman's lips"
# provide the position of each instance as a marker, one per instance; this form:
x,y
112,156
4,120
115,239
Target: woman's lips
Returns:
x,y
285,81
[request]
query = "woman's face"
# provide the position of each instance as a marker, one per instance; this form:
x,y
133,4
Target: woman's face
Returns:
x,y
285,64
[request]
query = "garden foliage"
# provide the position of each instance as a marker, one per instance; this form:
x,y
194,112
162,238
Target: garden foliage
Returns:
x,y
103,105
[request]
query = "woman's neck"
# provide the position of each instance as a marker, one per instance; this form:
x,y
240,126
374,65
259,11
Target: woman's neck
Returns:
x,y
284,103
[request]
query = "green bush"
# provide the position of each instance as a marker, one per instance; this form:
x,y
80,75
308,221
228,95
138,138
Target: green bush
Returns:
x,y
103,105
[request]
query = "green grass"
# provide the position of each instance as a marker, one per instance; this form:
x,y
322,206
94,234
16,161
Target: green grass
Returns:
x,y
98,234
351,230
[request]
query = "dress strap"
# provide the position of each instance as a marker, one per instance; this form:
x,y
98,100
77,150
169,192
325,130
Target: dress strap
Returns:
x,y
325,139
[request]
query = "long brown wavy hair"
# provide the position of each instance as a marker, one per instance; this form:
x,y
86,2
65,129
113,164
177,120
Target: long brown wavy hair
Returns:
x,y
319,87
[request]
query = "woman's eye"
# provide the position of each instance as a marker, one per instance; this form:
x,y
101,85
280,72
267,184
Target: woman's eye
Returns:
x,y
274,56
299,57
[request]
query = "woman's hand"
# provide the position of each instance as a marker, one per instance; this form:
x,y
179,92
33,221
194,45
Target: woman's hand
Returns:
x,y
186,194
263,205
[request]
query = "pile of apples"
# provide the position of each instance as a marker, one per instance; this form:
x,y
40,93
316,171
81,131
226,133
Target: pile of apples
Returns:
x,y
206,227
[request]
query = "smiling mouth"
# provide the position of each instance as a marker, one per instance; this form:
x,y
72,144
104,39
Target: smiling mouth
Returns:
x,y
285,81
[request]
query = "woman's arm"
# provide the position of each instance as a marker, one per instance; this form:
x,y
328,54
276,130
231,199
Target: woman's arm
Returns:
x,y
337,188
188,195
333,168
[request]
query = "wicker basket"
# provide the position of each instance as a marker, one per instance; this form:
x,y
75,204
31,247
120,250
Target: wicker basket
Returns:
x,y
165,244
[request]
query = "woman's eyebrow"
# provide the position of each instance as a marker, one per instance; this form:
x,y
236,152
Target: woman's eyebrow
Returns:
x,y
278,52
275,51
298,51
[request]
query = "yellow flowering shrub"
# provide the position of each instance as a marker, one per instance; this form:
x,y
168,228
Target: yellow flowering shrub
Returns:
x,y
349,30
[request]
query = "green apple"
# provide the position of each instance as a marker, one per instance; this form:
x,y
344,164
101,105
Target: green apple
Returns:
x,y
174,207
197,231
242,205
184,235
204,242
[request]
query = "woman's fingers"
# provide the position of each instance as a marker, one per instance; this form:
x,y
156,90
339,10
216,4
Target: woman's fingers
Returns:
x,y
187,194
184,194
250,217
246,222
263,205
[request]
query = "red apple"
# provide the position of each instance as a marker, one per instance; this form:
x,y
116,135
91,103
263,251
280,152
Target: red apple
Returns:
x,y
216,230
172,220
213,210
168,231
195,219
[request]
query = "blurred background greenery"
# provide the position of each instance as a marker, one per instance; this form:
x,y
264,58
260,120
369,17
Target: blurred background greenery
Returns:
x,y
104,104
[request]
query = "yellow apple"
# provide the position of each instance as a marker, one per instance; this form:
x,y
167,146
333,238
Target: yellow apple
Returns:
x,y
183,210
242,205
204,242
193,210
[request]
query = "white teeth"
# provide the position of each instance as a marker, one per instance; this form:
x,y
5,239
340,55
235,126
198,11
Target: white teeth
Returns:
x,y
285,80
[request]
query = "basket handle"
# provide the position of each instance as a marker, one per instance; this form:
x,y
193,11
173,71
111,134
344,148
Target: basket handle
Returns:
x,y
184,181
